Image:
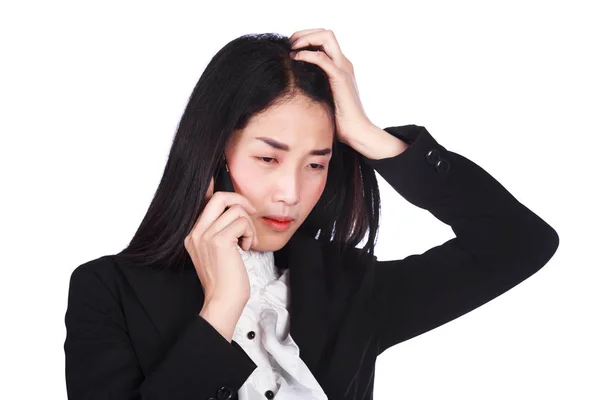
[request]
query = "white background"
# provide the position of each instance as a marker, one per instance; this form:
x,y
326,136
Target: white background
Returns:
x,y
91,94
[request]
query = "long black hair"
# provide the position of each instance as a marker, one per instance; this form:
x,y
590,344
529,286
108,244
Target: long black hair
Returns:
x,y
246,77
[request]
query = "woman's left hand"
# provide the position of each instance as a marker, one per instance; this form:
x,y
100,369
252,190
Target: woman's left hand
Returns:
x,y
352,124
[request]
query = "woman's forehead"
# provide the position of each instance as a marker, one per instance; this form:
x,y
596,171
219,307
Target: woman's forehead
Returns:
x,y
291,124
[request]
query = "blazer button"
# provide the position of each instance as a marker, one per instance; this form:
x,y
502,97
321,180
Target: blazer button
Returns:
x,y
225,393
251,335
433,156
269,394
443,165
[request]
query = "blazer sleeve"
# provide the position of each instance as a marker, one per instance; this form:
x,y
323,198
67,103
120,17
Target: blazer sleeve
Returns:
x,y
499,242
100,361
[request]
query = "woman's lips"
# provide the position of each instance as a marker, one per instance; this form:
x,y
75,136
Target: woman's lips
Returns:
x,y
276,225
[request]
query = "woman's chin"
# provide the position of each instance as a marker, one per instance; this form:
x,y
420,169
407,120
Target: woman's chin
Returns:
x,y
266,247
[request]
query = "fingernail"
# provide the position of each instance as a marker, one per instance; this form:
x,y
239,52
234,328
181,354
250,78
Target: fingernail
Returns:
x,y
293,54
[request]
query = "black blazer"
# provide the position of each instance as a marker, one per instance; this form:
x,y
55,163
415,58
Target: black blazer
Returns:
x,y
135,332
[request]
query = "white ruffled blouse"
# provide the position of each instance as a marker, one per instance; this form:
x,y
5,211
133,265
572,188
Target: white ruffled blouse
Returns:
x,y
263,332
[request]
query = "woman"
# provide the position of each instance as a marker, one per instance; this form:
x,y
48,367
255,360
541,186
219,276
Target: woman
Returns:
x,y
215,299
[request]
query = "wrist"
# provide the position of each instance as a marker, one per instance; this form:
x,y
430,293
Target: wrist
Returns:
x,y
377,144
223,316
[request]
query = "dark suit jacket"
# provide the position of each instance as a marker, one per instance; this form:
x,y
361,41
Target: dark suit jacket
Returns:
x,y
135,332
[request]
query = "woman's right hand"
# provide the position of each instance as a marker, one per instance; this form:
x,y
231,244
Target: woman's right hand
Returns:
x,y
212,245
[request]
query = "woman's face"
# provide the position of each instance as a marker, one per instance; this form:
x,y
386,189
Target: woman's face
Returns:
x,y
284,181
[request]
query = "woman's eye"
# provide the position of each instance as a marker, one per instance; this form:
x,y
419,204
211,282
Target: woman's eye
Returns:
x,y
265,158
313,166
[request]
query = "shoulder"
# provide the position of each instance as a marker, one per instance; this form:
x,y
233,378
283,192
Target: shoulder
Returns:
x,y
99,274
353,266
357,260
102,267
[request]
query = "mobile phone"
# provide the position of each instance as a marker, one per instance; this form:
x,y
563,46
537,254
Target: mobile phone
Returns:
x,y
223,179
223,184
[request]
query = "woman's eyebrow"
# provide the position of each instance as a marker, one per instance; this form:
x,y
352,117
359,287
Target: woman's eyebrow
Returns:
x,y
282,146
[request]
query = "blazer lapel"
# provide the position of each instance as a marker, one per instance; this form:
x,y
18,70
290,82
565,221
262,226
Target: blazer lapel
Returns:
x,y
308,296
330,337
